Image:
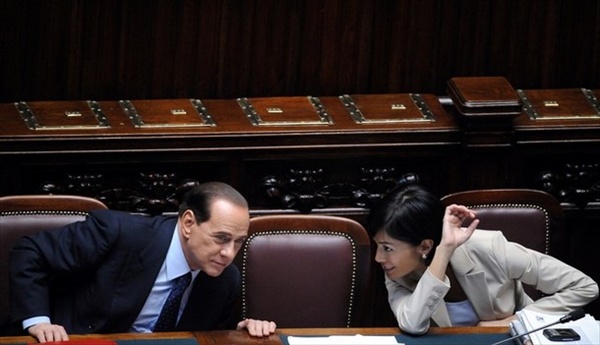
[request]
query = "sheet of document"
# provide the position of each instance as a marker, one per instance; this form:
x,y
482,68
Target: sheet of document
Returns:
x,y
343,340
587,327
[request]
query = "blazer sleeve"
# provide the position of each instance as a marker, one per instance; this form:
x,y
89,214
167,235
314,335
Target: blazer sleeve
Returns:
x,y
413,307
36,259
566,287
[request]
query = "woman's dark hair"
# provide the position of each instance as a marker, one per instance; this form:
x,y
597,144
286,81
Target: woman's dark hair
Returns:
x,y
410,214
200,198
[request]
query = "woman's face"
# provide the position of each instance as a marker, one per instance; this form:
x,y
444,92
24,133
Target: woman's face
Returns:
x,y
397,258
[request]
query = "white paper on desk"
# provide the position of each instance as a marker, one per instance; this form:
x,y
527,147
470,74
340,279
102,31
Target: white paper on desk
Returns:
x,y
343,340
587,327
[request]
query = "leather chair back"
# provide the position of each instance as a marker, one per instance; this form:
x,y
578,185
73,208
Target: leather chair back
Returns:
x,y
22,215
529,217
305,270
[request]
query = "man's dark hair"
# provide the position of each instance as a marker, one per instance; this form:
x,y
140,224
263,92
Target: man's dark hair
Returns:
x,y
201,197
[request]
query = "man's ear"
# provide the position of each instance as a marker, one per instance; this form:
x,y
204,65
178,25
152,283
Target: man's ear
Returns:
x,y
425,246
188,220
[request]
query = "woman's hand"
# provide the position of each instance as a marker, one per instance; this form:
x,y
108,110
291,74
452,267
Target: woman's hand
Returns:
x,y
257,328
453,234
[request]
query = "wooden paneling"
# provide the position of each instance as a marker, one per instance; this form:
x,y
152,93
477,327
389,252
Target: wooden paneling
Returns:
x,y
56,49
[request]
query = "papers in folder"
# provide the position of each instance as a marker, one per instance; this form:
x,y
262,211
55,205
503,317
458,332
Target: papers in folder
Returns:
x,y
342,340
587,327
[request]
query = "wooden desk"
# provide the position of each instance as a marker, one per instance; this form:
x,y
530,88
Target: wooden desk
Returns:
x,y
242,337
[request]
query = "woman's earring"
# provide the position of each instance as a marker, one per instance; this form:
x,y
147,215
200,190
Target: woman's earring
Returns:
x,y
424,256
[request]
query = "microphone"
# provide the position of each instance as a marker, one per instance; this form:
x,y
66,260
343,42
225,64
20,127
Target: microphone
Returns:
x,y
572,316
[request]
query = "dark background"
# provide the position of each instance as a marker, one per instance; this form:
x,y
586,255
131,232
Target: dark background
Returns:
x,y
115,49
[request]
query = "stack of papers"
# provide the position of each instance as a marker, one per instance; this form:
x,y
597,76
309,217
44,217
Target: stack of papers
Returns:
x,y
343,340
587,327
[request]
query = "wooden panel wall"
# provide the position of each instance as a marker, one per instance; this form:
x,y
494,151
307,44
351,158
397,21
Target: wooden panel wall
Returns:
x,y
114,49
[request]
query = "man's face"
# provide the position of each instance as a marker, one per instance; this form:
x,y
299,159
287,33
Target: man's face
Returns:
x,y
211,246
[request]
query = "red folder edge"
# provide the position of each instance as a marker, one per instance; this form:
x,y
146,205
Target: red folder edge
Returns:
x,y
80,342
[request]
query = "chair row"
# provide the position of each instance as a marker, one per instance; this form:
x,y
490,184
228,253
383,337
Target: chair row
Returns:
x,y
301,270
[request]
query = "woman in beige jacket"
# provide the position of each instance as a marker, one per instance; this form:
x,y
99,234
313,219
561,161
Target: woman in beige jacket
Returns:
x,y
436,270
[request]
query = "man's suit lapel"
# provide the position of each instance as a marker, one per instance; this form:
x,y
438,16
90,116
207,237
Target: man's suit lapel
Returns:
x,y
140,271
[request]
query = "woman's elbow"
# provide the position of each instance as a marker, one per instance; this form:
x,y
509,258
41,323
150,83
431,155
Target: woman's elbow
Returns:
x,y
594,291
413,329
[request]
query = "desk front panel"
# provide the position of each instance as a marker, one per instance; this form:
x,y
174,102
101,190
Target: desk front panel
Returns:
x,y
242,337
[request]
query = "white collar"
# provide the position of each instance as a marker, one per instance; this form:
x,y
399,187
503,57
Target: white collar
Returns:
x,y
176,264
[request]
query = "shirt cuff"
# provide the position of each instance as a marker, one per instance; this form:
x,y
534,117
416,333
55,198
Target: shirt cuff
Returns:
x,y
34,321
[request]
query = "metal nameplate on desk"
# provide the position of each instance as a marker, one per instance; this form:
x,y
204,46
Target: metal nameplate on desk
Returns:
x,y
560,104
76,115
168,113
384,109
285,111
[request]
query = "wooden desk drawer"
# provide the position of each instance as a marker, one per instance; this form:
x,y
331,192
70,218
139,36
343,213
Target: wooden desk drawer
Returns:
x,y
167,113
388,108
285,111
61,115
560,104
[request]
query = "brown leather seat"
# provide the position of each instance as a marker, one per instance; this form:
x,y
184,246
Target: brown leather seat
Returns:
x,y
305,270
22,215
529,217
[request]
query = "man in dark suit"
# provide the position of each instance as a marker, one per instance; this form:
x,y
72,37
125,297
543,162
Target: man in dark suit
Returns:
x,y
114,271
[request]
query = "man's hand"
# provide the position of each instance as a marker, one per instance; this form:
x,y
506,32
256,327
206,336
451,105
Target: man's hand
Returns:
x,y
257,328
44,332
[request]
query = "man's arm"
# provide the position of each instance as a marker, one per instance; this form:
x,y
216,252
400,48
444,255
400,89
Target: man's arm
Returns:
x,y
36,259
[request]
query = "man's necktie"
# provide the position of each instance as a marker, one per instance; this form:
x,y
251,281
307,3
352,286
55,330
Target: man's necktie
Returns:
x,y
168,315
